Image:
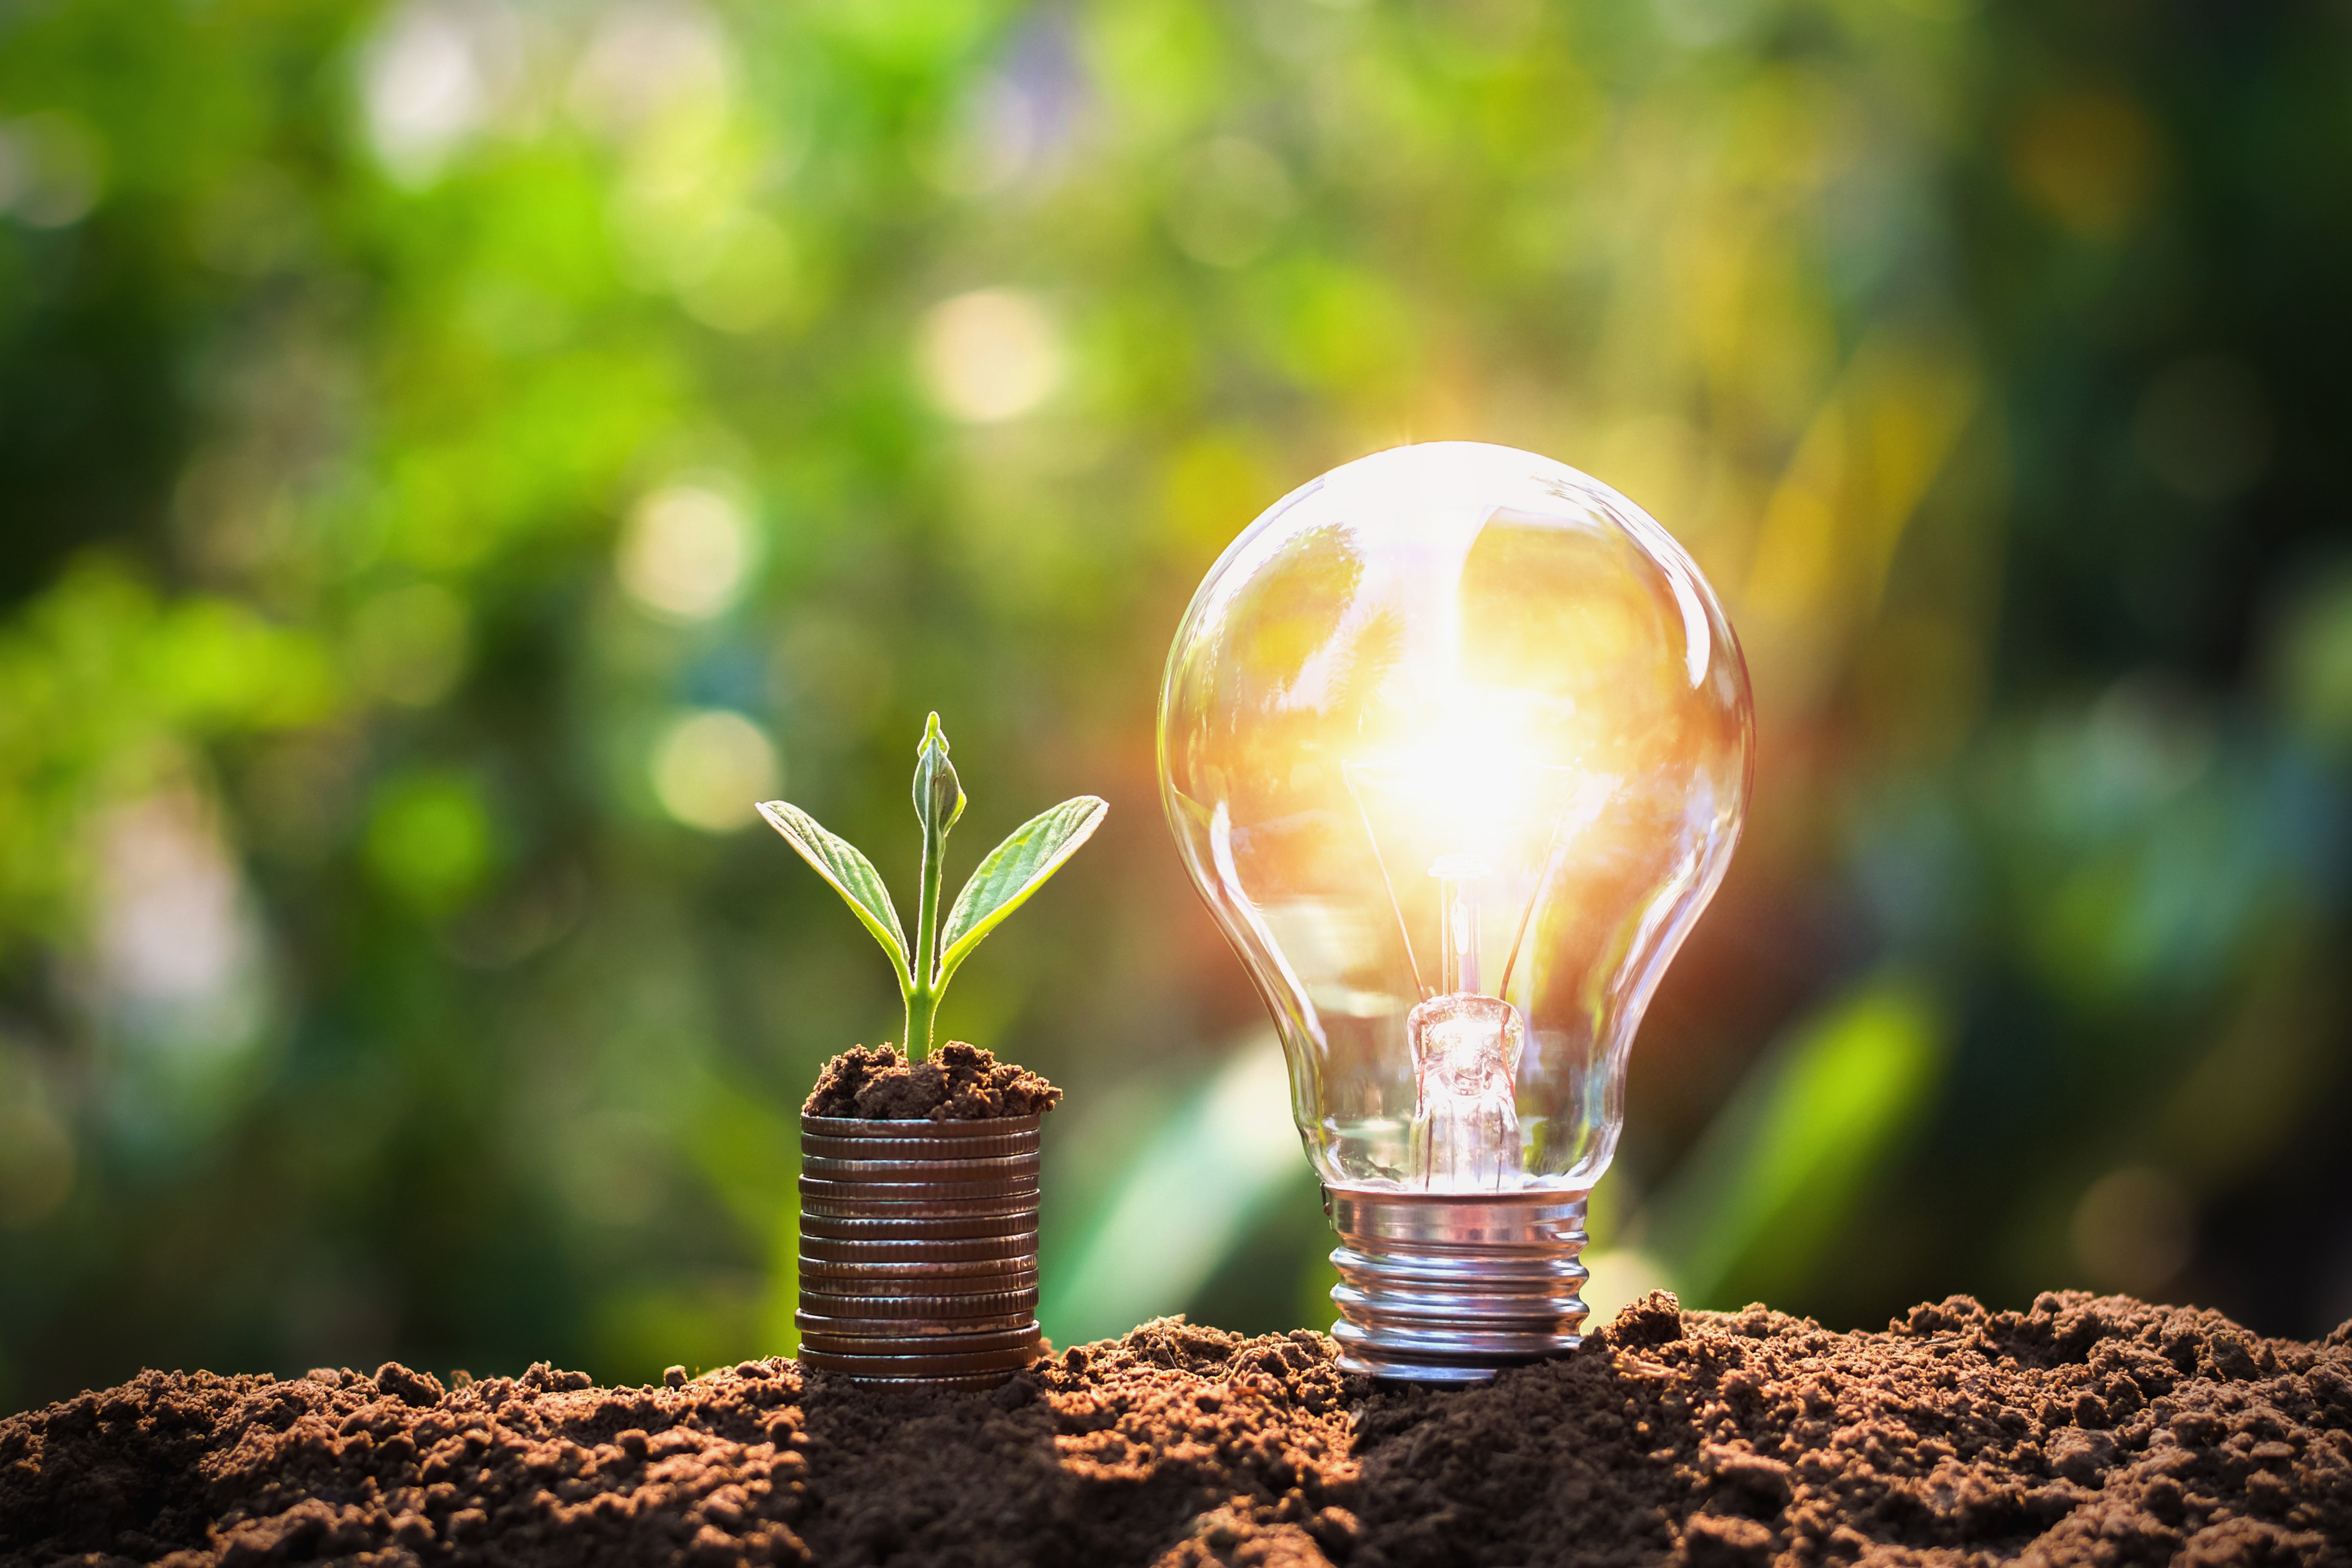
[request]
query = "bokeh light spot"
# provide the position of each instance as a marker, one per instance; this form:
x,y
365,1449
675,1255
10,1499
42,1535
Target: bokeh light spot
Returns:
x,y
2087,159
430,78
176,943
645,58
428,840
990,355
52,170
712,768
686,553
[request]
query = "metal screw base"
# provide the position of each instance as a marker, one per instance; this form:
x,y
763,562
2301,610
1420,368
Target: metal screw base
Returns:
x,y
1454,1287
919,1249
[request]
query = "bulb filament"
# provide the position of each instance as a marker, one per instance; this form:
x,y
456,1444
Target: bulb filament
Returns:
x,y
1458,876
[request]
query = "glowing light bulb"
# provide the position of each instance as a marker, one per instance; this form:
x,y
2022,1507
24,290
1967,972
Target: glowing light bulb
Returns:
x,y
1455,743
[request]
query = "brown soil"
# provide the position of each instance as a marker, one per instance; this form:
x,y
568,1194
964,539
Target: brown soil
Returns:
x,y
2084,1431
956,1082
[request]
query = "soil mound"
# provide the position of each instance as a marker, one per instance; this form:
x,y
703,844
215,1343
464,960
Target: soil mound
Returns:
x,y
2083,1431
956,1082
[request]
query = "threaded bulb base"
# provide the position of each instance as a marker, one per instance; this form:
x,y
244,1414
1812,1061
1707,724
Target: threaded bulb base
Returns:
x,y
1454,1286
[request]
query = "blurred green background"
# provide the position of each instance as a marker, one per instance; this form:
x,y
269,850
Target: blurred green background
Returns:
x,y
454,455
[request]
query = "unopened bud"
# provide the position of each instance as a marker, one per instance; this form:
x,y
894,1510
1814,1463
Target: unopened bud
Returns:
x,y
939,798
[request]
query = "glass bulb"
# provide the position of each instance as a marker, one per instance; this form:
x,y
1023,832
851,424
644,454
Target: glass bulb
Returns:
x,y
1455,741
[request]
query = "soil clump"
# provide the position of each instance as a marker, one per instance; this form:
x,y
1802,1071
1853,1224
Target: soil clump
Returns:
x,y
2093,1431
956,1082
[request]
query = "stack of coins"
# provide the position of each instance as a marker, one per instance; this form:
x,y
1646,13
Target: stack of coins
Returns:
x,y
919,1249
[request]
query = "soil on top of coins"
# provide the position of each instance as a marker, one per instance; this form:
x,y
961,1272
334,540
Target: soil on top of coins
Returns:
x,y
2096,1431
956,1082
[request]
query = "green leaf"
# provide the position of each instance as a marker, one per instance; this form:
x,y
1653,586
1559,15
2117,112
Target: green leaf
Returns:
x,y
1014,870
852,875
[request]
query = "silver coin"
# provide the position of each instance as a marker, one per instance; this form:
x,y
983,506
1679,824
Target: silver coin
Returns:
x,y
1013,1184
855,1127
1008,1145
851,1325
901,1343
1018,1207
937,1306
1002,1168
979,1249
839,1228
958,1272
956,1287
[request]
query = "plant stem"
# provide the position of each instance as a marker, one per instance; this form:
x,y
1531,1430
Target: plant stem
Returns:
x,y
923,996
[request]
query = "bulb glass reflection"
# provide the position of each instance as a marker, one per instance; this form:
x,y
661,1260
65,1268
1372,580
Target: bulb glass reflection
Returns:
x,y
1455,741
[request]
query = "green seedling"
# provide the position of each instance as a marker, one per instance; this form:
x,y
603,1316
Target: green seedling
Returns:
x,y
1013,871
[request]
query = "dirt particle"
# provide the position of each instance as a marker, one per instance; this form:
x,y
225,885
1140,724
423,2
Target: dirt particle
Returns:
x,y
545,1379
420,1390
1713,1542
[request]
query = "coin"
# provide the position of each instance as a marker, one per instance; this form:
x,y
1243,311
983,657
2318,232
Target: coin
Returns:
x,y
1008,1145
957,1226
1023,1206
851,1325
900,1342
997,1169
957,1287
954,1273
934,1249
860,1127
937,1305
1012,1183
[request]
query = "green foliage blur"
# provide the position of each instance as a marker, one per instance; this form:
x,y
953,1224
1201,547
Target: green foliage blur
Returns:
x,y
457,454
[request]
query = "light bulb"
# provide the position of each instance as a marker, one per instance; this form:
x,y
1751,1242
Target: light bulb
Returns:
x,y
1455,741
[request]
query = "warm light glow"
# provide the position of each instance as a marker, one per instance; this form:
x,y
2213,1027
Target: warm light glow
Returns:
x,y
1471,779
